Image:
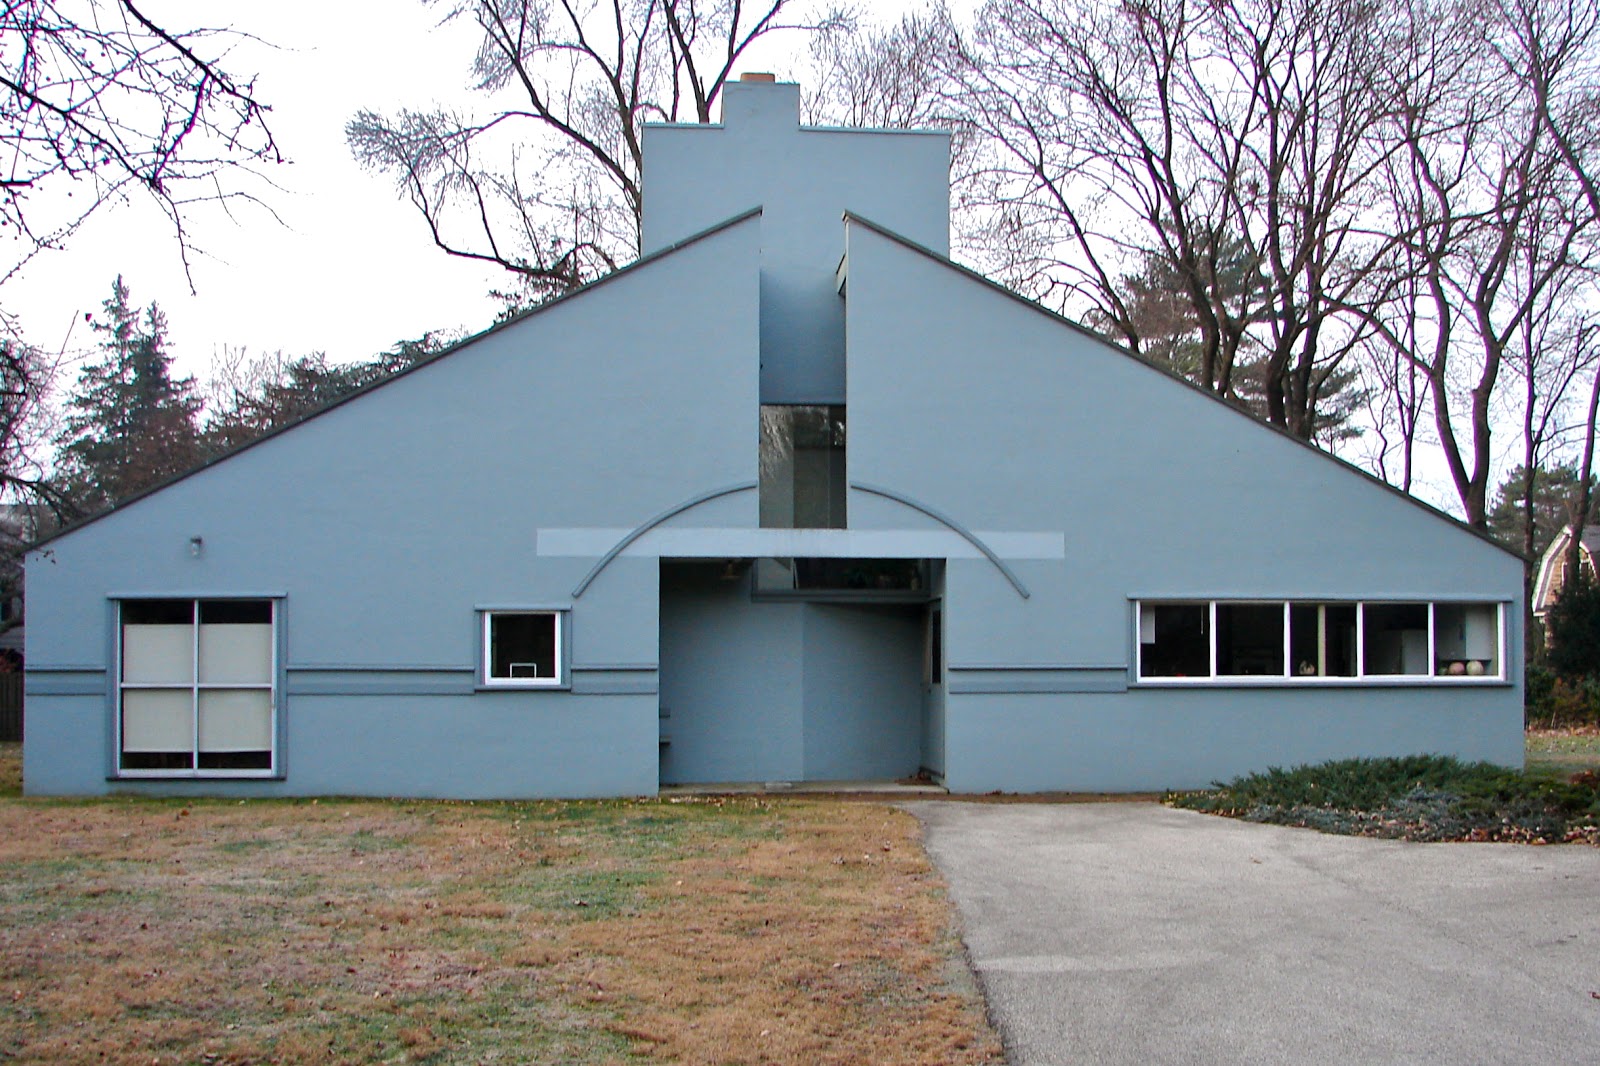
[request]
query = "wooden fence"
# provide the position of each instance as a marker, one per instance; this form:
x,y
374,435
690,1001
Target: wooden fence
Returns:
x,y
10,707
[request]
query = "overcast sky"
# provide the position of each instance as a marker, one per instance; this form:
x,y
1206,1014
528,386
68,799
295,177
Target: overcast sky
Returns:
x,y
351,269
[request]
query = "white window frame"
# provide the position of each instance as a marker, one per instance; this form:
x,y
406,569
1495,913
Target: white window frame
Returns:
x,y
195,687
485,667
1289,677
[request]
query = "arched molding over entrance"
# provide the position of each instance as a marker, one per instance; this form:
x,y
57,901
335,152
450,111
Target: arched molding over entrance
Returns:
x,y
951,524
750,486
651,523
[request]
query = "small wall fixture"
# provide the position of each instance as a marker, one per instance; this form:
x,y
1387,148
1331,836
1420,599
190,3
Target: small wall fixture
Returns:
x,y
195,546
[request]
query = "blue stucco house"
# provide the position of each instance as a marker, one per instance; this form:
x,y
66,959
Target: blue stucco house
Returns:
x,y
792,498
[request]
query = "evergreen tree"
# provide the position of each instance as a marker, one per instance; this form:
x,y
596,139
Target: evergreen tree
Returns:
x,y
1573,628
1509,516
130,425
254,397
1161,313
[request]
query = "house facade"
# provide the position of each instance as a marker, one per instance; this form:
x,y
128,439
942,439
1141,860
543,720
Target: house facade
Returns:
x,y
1551,577
793,498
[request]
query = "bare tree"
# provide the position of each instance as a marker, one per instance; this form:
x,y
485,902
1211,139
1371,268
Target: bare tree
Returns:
x,y
1491,263
27,423
1552,50
99,104
887,77
547,183
1230,141
249,396
34,502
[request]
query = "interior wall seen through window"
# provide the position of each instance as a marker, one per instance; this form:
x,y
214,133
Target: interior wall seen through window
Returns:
x,y
802,467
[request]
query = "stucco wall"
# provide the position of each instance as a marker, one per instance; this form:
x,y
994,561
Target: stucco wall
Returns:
x,y
761,690
803,178
499,475
1002,417
387,522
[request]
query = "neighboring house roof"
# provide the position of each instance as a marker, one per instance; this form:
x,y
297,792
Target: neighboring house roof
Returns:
x,y
1551,577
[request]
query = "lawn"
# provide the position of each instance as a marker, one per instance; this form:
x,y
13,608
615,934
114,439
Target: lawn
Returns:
x,y
1560,752
704,931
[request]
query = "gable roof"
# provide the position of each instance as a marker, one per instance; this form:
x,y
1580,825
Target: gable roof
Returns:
x,y
1590,544
1166,372
429,360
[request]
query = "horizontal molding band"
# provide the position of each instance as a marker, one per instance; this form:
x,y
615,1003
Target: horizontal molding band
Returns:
x,y
379,668
1000,686
1032,667
376,686
1343,596
582,686
682,542
84,684
202,594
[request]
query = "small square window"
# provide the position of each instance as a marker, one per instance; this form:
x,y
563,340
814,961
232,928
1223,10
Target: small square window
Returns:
x,y
522,648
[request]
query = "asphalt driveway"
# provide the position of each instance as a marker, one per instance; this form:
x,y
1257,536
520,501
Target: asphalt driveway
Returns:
x,y
1131,933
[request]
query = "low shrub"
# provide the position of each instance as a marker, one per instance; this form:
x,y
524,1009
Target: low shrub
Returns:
x,y
1417,797
1552,702
1537,683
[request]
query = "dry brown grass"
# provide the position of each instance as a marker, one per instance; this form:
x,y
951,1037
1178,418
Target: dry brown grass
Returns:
x,y
715,931
10,770
1562,752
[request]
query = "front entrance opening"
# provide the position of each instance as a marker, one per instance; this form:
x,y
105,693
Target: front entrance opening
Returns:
x,y
788,688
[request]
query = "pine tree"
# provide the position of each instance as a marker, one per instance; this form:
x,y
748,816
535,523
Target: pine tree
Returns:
x,y
130,425
1552,495
1573,628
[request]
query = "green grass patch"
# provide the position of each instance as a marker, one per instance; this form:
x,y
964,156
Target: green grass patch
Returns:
x,y
1418,797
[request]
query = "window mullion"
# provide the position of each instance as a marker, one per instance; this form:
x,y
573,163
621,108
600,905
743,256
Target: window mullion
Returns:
x,y
1211,608
1433,662
1361,638
1288,650
194,686
1500,643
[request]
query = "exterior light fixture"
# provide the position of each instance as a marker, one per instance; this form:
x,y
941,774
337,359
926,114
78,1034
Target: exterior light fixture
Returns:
x,y
195,545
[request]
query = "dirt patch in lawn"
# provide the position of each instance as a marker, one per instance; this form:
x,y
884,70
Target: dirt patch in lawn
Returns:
x,y
699,931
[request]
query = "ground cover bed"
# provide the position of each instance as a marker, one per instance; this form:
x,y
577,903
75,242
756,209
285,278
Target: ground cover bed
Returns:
x,y
1427,797
701,931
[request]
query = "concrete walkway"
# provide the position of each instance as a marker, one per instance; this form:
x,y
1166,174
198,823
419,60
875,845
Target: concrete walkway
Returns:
x,y
1130,933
